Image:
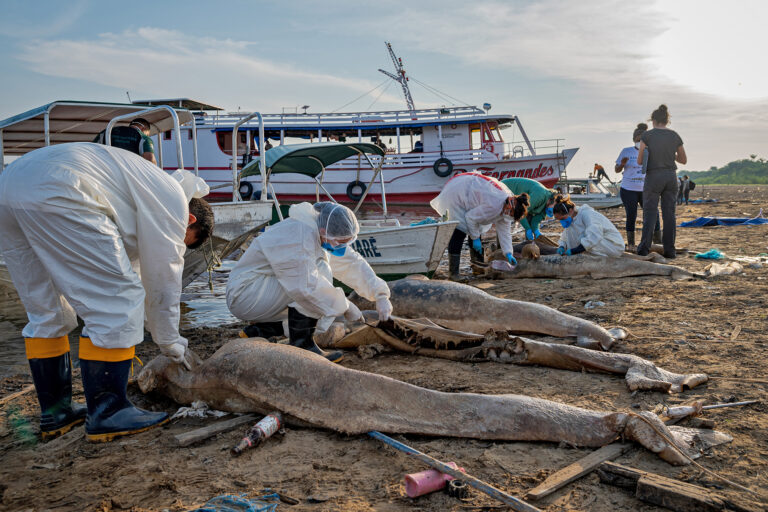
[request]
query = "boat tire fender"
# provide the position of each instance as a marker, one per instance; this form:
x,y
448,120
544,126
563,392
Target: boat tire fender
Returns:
x,y
246,190
443,167
355,196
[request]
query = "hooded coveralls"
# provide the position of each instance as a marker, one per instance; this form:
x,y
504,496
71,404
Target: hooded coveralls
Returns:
x,y
595,232
286,266
538,196
98,232
476,201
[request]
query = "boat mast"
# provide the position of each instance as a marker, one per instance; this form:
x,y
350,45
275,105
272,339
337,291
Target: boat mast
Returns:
x,y
400,77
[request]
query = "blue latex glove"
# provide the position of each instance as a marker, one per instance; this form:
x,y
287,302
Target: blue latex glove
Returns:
x,y
511,259
477,245
529,234
537,233
561,250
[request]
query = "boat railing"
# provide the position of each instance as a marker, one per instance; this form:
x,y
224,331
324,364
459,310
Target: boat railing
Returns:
x,y
361,119
517,149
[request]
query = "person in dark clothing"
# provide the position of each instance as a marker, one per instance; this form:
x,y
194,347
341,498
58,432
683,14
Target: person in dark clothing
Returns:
x,y
600,173
665,147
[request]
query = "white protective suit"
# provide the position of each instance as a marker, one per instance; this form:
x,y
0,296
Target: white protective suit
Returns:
x,y
476,202
97,231
595,232
285,266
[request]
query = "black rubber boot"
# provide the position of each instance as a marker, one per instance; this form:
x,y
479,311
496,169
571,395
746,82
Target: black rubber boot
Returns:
x,y
657,237
53,383
263,330
110,413
454,260
301,329
631,241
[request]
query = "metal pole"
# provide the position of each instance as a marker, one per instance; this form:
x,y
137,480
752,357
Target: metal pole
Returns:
x,y
2,157
522,132
160,151
47,127
194,145
515,503
734,404
262,161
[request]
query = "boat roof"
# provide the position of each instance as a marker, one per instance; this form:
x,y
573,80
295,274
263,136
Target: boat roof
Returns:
x,y
309,159
73,121
186,103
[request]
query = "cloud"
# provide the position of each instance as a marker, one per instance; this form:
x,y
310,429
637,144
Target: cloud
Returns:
x,y
169,63
47,21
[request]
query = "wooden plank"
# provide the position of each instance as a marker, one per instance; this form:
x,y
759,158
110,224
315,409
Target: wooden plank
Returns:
x,y
667,492
576,470
17,394
199,434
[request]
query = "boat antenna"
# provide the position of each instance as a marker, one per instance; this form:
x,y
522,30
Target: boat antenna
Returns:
x,y
400,77
129,96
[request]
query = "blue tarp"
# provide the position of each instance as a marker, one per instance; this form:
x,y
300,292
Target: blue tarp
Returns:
x,y
725,221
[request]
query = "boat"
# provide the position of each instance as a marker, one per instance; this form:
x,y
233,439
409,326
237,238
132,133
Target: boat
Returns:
x,y
78,121
592,192
393,251
423,147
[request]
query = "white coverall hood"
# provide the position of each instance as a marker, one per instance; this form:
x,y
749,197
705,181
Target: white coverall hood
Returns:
x,y
476,201
193,186
595,232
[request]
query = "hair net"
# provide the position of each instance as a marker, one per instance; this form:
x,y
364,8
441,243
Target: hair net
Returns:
x,y
338,221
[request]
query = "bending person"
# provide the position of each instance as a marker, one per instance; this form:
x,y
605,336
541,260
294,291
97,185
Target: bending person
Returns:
x,y
292,265
541,198
586,230
478,202
77,222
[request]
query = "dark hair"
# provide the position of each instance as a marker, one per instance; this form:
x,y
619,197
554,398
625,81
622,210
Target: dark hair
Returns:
x,y
641,127
521,206
563,205
143,122
203,226
660,115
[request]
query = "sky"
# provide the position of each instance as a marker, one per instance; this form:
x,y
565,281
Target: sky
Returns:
x,y
586,71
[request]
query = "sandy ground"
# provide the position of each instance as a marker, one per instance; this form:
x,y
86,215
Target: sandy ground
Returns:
x,y
715,326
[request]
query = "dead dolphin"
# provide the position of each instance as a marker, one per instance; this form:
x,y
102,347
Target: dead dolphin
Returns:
x,y
423,337
252,375
463,307
586,265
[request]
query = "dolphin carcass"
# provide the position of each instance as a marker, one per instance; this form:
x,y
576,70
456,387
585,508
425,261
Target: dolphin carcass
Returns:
x,y
251,375
423,337
465,308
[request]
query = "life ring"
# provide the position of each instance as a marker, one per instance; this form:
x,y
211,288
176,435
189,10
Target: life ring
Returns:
x,y
351,190
440,162
245,190
488,147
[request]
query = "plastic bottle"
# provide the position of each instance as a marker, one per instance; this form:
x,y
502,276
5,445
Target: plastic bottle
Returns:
x,y
262,430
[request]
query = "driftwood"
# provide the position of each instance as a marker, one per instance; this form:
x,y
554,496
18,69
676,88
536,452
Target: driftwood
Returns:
x,y
193,436
17,394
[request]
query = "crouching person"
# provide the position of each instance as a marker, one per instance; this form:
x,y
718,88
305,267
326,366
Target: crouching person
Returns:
x,y
292,265
586,230
97,232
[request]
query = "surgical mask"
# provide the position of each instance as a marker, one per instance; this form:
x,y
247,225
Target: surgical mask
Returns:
x,y
550,212
337,250
566,222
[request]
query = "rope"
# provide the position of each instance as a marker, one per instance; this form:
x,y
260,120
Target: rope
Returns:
x,y
379,96
214,262
359,97
438,92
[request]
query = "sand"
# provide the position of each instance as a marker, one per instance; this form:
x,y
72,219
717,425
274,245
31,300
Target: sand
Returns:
x,y
715,326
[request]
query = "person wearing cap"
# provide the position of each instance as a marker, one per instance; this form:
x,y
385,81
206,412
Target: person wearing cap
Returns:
x,y
99,233
146,149
477,202
292,266
134,138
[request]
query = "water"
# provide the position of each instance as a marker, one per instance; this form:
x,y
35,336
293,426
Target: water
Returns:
x,y
200,306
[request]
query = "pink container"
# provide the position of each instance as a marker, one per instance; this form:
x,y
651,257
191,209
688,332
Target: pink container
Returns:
x,y
431,480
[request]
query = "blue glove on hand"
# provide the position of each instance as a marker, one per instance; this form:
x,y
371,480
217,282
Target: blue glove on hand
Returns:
x,y
529,234
511,259
537,233
477,245
561,250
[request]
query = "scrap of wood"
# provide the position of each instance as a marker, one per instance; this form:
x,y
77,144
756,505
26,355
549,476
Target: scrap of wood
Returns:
x,y
667,492
17,394
199,434
576,470
735,332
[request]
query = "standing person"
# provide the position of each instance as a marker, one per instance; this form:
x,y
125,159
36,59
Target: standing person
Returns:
x,y
631,191
134,138
686,192
292,265
586,230
679,189
541,198
97,232
478,202
665,147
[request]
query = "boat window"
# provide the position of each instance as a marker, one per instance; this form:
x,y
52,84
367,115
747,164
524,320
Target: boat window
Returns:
x,y
167,135
224,140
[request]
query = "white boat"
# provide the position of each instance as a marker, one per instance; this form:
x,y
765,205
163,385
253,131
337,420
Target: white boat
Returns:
x,y
592,192
424,147
392,250
73,121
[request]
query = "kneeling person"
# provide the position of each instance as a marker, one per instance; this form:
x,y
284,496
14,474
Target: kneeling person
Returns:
x,y
586,230
292,265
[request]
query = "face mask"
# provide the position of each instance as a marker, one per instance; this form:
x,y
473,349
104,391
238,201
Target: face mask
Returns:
x,y
338,250
566,222
550,212
637,145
